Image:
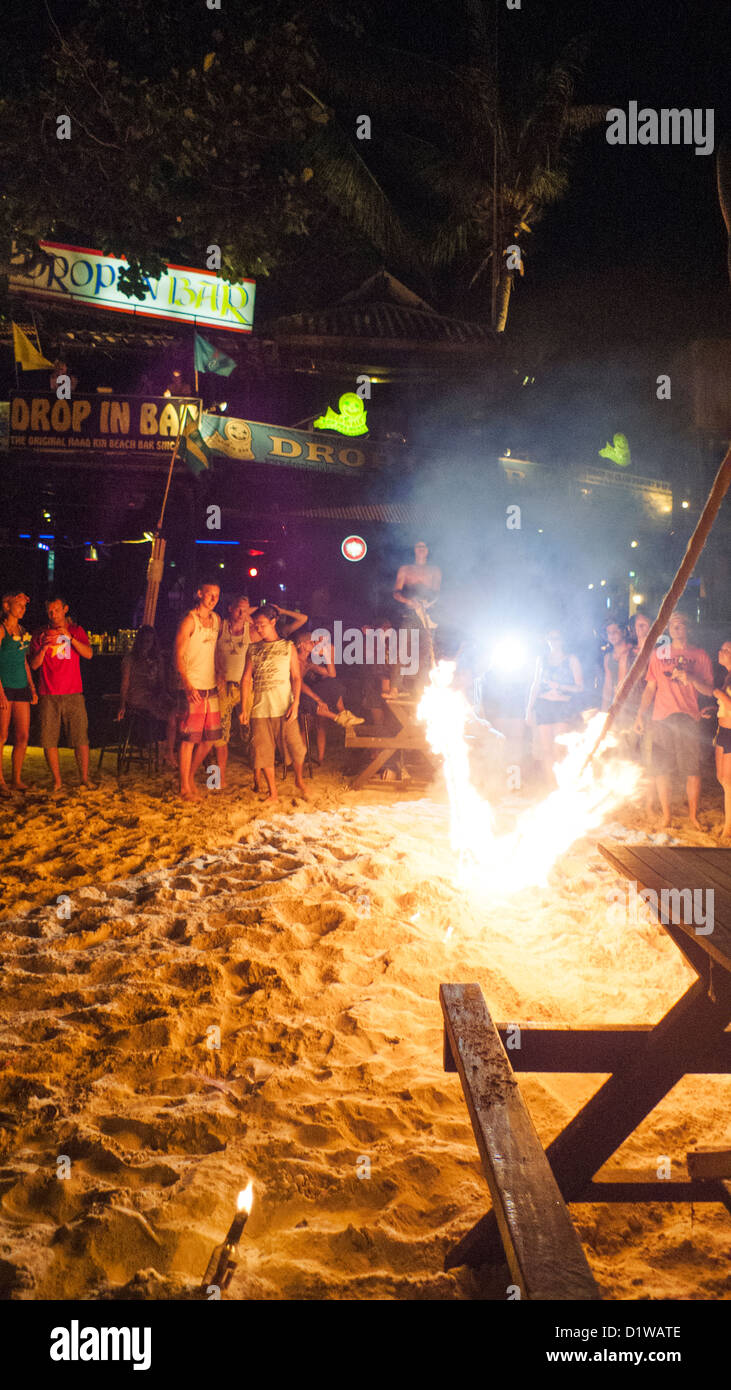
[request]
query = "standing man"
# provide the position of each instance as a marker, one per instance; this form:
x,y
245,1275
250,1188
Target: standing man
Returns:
x,y
272,671
676,719
233,645
195,658
418,585
55,652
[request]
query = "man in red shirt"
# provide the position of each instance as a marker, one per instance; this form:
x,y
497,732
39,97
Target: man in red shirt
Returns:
x,y
676,727
55,653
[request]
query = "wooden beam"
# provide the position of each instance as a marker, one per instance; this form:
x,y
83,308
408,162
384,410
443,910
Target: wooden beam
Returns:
x,y
709,1163
603,1049
544,1253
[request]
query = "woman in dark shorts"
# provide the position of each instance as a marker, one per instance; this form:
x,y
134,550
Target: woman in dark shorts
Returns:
x,y
553,700
722,741
17,690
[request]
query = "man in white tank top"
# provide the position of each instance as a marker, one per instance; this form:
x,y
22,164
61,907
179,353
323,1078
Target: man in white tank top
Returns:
x,y
195,657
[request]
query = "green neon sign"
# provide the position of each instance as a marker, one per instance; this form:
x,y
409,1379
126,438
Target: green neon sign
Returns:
x,y
350,419
617,451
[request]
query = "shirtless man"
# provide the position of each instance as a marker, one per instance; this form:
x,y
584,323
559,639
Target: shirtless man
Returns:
x,y
195,658
418,585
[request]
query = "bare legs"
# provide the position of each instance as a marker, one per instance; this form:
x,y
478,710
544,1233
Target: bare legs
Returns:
x,y
188,769
20,712
723,773
693,792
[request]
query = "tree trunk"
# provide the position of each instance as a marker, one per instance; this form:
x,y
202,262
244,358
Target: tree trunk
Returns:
x,y
505,285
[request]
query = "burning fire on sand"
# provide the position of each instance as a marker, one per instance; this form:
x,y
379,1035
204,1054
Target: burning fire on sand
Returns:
x,y
501,864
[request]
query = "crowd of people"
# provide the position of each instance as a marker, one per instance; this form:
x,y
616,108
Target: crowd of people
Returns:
x,y
261,677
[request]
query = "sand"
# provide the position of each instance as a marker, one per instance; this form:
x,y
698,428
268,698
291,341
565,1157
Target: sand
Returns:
x,y
313,938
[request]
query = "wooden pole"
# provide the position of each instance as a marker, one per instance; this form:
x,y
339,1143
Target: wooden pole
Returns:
x,y
693,551
157,555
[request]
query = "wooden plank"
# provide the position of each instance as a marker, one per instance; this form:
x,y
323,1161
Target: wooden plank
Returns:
x,y
709,1163
626,1190
543,1251
650,867
605,1048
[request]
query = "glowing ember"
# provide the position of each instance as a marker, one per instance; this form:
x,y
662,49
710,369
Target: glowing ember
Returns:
x,y
503,864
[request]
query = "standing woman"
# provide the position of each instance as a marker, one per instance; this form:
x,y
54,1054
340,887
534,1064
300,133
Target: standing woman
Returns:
x,y
17,689
552,702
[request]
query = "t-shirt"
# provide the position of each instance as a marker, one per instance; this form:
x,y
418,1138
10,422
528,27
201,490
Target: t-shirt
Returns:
x,y
672,696
271,679
13,651
60,673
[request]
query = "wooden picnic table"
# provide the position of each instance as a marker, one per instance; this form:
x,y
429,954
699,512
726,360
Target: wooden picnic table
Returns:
x,y
643,1063
409,737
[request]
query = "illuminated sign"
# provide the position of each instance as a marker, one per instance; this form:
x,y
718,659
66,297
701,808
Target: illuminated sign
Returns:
x,y
354,548
191,296
350,419
617,451
98,424
250,441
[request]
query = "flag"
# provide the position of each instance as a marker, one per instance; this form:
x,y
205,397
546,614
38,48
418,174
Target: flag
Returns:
x,y
192,448
210,359
26,356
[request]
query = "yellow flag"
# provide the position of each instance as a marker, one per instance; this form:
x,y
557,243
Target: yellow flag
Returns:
x,y
26,356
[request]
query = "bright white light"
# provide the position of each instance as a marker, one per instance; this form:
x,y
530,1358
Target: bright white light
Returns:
x,y
509,655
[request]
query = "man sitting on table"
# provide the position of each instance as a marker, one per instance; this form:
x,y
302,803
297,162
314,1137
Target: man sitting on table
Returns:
x,y
272,671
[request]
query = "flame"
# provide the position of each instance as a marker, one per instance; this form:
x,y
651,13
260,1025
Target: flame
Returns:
x,y
245,1198
504,864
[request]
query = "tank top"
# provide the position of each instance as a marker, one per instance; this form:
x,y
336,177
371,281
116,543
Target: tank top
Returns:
x,y
271,679
562,673
200,665
13,651
233,647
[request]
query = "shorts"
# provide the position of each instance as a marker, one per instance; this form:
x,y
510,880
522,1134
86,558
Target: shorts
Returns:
x,y
722,739
16,696
554,711
229,702
328,693
677,746
267,734
66,710
200,723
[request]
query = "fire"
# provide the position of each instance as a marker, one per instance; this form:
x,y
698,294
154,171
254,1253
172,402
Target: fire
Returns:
x,y
245,1197
502,864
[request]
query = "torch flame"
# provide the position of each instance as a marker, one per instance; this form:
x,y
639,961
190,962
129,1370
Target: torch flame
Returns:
x,y
245,1198
504,864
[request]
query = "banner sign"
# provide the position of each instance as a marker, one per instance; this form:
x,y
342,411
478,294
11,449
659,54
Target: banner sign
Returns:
x,y
249,441
190,296
102,423
655,495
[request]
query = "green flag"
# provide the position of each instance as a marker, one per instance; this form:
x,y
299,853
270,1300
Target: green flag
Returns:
x,y
194,452
210,359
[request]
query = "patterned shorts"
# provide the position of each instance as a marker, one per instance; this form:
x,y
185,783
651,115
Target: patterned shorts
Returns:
x,y
200,723
230,702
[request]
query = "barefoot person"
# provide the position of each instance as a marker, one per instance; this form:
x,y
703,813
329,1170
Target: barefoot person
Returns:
x,y
233,645
722,741
676,729
54,653
17,690
272,672
195,656
552,702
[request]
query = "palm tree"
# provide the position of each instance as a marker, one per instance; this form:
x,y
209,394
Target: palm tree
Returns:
x,y
467,169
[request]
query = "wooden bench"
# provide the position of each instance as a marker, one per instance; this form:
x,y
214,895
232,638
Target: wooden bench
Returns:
x,y
543,1251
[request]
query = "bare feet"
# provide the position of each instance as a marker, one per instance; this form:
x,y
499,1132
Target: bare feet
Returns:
x,y
190,793
665,823
696,824
302,790
5,790
725,833
271,797
20,786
